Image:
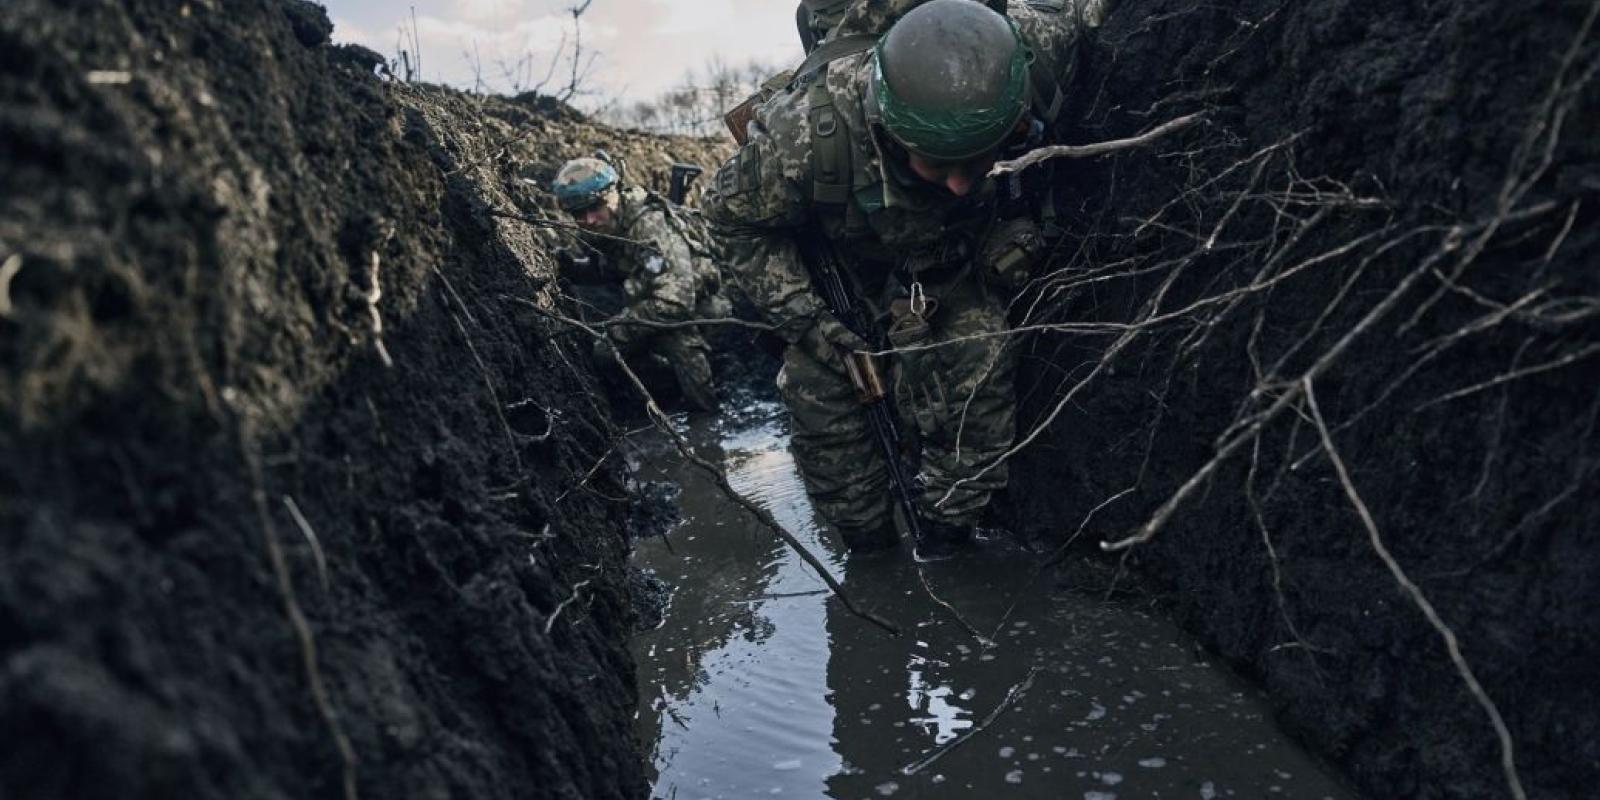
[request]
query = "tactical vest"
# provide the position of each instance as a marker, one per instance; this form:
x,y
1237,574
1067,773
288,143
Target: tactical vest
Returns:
x,y
696,232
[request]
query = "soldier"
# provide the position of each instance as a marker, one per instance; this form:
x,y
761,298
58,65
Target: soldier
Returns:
x,y
884,152
666,271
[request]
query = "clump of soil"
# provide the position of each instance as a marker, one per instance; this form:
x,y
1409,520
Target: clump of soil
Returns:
x,y
301,497
1402,204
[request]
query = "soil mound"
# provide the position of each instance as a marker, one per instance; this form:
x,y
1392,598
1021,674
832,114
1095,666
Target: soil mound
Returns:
x,y
299,497
1392,210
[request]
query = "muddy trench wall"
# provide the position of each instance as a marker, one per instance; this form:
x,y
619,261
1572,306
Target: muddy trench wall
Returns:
x,y
297,497
1398,202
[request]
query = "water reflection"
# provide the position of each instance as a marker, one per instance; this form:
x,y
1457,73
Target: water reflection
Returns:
x,y
742,713
760,684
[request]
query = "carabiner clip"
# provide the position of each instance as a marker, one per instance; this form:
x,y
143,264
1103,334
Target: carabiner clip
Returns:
x,y
919,300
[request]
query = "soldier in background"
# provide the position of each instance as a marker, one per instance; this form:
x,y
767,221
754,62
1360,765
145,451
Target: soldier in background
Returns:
x,y
881,146
664,264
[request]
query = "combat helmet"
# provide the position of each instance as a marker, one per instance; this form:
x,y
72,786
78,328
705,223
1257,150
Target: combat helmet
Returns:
x,y
583,183
950,80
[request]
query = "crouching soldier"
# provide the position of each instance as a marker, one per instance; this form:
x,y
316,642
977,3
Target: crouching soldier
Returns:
x,y
879,150
666,270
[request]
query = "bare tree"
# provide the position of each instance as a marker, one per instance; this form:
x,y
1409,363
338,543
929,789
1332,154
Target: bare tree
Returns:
x,y
697,105
581,66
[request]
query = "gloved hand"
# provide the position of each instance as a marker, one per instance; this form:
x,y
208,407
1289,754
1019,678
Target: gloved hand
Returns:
x,y
825,337
581,264
622,334
1010,251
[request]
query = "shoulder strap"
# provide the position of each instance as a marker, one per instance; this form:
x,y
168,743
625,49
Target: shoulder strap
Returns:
x,y
1047,95
830,148
833,50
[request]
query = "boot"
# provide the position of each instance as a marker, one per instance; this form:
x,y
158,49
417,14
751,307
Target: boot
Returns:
x,y
940,539
870,540
697,396
694,382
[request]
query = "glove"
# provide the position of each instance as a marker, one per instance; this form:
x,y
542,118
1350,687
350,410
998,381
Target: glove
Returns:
x,y
621,334
1011,250
823,340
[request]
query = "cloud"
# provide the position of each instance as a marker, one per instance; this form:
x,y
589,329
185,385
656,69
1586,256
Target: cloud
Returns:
x,y
345,32
695,16
466,35
644,46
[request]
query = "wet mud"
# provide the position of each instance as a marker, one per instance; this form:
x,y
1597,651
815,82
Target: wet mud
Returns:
x,y
759,683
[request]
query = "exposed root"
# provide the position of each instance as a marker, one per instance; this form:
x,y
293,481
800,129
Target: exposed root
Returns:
x,y
1099,148
983,641
577,589
1570,358
1055,558
312,539
1012,696
1272,557
546,222
494,396
8,271
297,620
373,295
719,476
1507,748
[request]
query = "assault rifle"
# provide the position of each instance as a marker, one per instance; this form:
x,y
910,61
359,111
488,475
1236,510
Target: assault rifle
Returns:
x,y
822,262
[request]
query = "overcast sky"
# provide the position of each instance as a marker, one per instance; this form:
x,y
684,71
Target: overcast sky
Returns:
x,y
644,46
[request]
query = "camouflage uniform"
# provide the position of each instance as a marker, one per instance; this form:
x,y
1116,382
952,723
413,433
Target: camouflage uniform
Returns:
x,y
956,391
667,275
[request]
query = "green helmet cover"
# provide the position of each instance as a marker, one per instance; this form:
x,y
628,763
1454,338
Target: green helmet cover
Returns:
x,y
949,122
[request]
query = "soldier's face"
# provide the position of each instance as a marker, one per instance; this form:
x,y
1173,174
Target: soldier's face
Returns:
x,y
959,178
598,218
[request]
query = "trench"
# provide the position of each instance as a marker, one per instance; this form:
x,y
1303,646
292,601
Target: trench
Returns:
x,y
758,683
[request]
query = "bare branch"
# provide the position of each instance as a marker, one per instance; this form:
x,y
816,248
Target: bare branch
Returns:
x,y
1096,149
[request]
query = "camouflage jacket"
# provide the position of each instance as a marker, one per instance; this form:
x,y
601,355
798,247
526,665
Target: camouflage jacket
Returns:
x,y
879,216
665,270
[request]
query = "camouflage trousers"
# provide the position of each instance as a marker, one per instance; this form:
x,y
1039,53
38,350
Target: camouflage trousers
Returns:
x,y
955,394
686,354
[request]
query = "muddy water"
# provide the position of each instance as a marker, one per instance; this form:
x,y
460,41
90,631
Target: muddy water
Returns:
x,y
759,684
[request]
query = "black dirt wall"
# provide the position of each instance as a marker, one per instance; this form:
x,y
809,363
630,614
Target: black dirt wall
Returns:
x,y
289,495
1398,201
